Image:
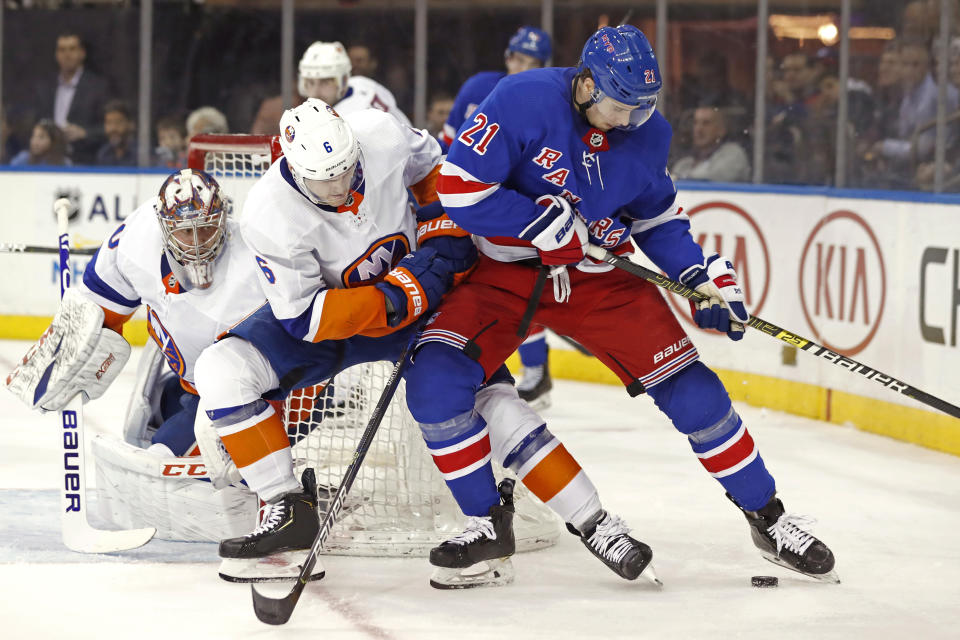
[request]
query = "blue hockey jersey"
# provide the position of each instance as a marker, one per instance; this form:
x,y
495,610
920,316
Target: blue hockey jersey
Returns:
x,y
526,139
472,93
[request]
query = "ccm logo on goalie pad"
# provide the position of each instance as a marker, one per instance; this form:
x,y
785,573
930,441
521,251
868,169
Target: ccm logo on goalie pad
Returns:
x,y
193,470
413,291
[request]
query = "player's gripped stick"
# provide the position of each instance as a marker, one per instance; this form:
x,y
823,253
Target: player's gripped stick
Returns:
x,y
888,381
76,531
278,610
13,247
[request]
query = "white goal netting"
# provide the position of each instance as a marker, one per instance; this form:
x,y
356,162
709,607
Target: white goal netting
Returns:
x,y
399,504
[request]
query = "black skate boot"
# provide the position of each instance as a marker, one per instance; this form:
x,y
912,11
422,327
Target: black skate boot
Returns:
x,y
607,539
286,529
486,539
784,539
534,388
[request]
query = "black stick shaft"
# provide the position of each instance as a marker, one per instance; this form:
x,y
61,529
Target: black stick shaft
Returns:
x,y
278,610
12,247
780,333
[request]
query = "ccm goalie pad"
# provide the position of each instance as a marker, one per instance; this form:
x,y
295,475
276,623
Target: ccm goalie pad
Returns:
x,y
76,354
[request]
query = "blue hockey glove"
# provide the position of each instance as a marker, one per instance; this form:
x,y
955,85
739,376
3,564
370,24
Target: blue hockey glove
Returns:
x,y
415,285
724,309
436,230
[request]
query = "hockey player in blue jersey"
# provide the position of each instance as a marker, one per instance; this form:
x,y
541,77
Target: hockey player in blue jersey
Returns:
x,y
552,160
528,48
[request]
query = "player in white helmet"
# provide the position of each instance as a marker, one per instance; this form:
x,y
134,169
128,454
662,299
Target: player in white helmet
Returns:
x,y
324,72
179,254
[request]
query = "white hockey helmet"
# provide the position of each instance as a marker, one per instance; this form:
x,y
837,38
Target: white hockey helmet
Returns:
x,y
193,221
324,60
317,144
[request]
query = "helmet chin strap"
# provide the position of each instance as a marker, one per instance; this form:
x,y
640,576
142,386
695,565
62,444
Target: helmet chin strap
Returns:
x,y
582,107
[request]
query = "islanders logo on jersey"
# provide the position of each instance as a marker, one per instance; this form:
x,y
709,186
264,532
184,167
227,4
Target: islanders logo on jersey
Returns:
x,y
164,340
376,261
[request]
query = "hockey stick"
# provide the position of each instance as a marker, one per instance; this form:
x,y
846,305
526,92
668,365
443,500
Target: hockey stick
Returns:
x,y
278,610
76,531
599,253
13,247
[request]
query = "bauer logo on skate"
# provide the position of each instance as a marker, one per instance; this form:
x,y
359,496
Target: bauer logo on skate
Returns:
x,y
843,282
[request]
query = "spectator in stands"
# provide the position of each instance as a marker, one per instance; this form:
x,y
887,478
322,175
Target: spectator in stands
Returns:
x,y
171,149
120,149
889,91
438,112
917,107
801,74
362,61
709,84
76,99
209,120
713,157
48,146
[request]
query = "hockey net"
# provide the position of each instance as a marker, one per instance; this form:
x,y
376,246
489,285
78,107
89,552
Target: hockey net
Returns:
x,y
399,504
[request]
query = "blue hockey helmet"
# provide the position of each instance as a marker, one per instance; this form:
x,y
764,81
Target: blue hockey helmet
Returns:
x,y
532,42
624,68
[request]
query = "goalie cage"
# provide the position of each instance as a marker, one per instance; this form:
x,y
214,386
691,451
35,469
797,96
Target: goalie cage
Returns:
x,y
399,504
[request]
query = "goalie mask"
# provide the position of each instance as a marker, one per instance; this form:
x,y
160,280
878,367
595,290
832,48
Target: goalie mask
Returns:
x,y
193,219
324,61
322,153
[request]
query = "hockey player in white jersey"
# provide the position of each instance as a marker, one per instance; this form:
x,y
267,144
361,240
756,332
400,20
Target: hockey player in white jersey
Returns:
x,y
347,267
325,73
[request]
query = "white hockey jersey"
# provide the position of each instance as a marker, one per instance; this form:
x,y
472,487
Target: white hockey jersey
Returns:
x,y
131,269
364,93
316,260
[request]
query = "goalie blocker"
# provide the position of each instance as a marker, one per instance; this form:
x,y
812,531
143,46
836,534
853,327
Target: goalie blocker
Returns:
x,y
76,354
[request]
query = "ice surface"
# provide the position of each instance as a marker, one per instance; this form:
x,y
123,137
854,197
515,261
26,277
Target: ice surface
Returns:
x,y
889,510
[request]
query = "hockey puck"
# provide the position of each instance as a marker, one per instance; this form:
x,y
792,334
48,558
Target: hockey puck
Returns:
x,y
764,581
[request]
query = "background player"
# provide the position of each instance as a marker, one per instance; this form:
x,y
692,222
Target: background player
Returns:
x,y
536,181
529,48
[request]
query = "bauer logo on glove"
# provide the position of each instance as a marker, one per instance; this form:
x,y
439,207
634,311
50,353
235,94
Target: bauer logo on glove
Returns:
x,y
723,308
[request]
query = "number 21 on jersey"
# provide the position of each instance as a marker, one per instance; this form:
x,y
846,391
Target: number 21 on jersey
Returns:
x,y
469,138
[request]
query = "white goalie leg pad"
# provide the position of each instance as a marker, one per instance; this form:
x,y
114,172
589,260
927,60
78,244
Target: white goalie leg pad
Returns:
x,y
75,354
143,410
489,573
136,488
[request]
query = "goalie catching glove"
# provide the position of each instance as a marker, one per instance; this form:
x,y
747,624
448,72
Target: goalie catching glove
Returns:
x,y
723,309
76,354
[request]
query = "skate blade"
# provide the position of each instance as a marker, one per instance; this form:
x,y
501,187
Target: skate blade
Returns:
x,y
497,573
651,575
279,567
830,577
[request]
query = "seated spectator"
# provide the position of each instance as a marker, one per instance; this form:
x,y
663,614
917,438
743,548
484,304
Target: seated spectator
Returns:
x,y
889,91
917,107
438,112
712,157
120,149
362,60
709,84
171,151
208,120
48,146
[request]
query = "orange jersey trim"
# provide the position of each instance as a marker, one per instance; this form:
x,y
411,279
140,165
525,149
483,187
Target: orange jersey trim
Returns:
x,y
348,312
257,442
552,474
114,321
425,191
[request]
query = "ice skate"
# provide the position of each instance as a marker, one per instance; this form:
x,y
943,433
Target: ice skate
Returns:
x,y
480,556
785,539
274,550
607,539
535,385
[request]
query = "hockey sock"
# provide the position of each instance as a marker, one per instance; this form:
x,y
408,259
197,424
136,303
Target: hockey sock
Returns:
x,y
256,440
695,400
548,470
461,450
533,351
